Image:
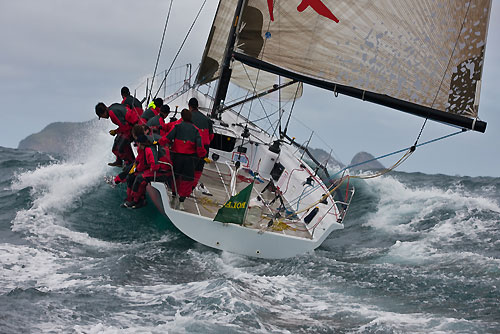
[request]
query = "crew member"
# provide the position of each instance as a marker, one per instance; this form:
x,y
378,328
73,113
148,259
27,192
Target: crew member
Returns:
x,y
204,124
186,150
132,103
152,164
125,119
153,110
157,123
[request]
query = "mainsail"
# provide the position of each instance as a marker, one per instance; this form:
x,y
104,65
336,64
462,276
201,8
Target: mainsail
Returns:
x,y
424,57
249,78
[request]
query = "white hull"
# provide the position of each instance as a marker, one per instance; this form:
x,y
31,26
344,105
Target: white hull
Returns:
x,y
303,217
237,239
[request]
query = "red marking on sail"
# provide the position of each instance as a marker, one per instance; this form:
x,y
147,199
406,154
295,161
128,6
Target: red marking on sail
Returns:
x,y
318,6
271,8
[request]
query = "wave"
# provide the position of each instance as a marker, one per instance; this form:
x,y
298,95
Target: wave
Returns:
x,y
419,253
417,218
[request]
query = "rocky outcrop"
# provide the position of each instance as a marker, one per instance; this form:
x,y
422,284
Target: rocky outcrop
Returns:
x,y
322,156
362,157
58,137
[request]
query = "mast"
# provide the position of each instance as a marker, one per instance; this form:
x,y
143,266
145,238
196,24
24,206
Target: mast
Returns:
x,y
385,100
225,76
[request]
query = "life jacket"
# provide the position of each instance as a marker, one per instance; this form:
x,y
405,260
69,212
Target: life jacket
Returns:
x,y
204,124
161,154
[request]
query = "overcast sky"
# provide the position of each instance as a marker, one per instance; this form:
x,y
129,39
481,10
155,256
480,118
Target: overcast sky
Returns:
x,y
60,57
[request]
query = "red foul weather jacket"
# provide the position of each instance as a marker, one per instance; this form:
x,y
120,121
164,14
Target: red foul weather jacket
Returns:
x,y
186,139
135,105
148,160
123,117
204,124
158,125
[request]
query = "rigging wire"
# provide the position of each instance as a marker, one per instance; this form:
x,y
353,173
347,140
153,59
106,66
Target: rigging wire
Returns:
x,y
260,119
409,152
157,75
180,48
273,127
255,92
159,51
445,71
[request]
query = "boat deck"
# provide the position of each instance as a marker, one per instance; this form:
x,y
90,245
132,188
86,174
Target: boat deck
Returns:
x,y
217,178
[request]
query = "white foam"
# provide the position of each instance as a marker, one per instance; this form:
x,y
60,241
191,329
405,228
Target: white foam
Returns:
x,y
411,323
410,252
237,291
398,203
55,189
25,267
58,187
402,208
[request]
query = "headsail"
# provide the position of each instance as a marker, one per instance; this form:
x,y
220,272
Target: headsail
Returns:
x,y
250,37
424,57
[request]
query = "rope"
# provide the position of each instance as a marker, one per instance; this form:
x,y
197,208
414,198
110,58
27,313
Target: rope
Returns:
x,y
260,119
204,201
402,150
409,151
180,89
180,48
159,51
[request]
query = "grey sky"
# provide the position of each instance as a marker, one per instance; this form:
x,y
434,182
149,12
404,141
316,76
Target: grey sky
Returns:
x,y
60,57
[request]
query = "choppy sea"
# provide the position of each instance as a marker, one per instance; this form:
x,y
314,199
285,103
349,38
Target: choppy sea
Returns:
x,y
419,254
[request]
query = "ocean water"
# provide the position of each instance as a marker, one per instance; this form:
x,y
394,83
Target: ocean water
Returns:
x,y
419,254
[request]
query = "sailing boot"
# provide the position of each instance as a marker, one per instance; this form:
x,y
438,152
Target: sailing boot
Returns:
x,y
128,204
180,205
204,190
129,198
117,163
141,203
132,200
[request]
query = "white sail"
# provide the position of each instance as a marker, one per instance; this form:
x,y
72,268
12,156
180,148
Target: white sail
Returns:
x,y
426,52
246,77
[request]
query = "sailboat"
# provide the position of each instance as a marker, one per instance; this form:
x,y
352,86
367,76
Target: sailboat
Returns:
x,y
420,57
